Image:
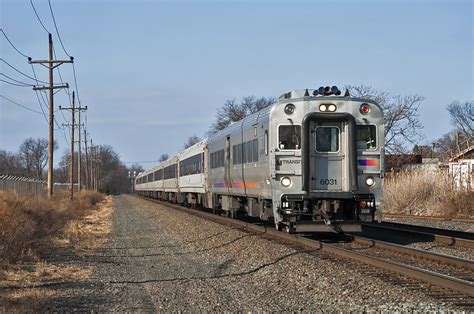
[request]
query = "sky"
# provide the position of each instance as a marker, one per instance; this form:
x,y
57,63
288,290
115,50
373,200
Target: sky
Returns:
x,y
153,73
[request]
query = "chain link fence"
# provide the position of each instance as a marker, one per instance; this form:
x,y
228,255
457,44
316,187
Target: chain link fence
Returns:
x,y
30,186
23,185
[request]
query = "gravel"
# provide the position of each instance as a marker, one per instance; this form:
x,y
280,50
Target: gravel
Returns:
x,y
160,259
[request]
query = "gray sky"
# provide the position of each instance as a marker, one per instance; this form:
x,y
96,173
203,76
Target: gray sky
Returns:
x,y
154,72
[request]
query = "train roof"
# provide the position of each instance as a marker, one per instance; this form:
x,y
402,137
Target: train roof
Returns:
x,y
308,94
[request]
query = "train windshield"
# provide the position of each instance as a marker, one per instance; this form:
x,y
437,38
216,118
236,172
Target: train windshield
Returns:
x,y
289,137
366,137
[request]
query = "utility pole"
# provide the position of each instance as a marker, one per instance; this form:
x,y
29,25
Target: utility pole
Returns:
x,y
91,167
87,160
71,158
51,65
71,162
79,177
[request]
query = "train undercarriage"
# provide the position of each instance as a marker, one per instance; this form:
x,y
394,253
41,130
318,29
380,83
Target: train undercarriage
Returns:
x,y
296,214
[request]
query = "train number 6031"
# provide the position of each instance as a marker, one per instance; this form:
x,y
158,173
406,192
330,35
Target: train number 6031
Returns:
x,y
328,181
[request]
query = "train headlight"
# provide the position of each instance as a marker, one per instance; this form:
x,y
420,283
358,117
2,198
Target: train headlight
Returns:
x,y
323,108
289,109
369,181
285,181
364,109
332,108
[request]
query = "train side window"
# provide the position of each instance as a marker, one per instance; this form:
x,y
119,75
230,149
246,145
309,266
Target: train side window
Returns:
x,y
234,154
255,150
289,137
366,137
244,153
249,151
221,158
265,142
239,154
327,139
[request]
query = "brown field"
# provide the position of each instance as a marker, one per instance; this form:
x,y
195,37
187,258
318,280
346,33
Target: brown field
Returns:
x,y
426,193
35,231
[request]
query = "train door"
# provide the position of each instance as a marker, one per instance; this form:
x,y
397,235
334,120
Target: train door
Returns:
x,y
328,159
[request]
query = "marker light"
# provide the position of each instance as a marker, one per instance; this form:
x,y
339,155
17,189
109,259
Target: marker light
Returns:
x,y
289,109
285,181
369,181
322,108
332,108
364,109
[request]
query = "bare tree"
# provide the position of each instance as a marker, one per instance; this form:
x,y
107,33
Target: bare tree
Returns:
x,y
34,153
191,141
232,111
113,175
401,116
462,117
11,164
163,157
137,168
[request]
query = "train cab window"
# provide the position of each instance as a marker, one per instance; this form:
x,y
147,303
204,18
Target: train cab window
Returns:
x,y
289,137
327,139
366,137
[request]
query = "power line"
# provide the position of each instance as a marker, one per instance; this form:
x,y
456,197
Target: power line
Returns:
x,y
1,29
65,137
66,90
75,83
139,162
18,104
15,84
41,92
26,75
20,82
66,120
56,27
37,97
44,114
36,13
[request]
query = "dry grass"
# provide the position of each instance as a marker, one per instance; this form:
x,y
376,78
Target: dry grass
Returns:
x,y
426,193
89,232
27,220
32,228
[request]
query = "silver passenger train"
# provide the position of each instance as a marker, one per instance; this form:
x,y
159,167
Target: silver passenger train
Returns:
x,y
313,162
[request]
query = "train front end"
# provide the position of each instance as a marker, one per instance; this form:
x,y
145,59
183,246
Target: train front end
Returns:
x,y
327,161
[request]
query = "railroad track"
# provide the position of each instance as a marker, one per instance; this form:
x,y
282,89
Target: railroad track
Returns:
x,y
446,287
449,237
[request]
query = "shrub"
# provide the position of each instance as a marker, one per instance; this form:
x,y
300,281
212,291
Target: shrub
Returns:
x,y
25,220
423,192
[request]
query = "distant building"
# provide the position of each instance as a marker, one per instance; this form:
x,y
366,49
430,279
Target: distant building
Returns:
x,y
395,163
461,169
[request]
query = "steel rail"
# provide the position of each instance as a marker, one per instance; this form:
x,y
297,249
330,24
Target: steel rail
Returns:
x,y
449,240
434,218
420,253
440,280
